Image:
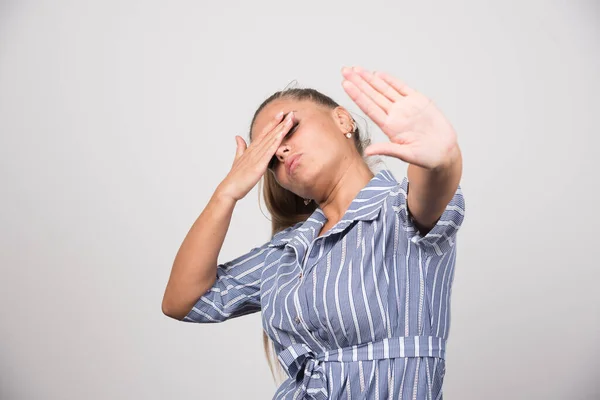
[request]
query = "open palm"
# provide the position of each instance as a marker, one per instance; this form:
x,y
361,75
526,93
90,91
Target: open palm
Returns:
x,y
419,133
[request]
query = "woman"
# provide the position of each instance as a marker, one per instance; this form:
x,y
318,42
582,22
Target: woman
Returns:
x,y
354,286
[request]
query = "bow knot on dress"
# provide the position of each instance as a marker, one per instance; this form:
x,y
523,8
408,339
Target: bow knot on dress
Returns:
x,y
302,363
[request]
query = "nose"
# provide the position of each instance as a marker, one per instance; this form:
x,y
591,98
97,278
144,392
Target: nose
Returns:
x,y
282,152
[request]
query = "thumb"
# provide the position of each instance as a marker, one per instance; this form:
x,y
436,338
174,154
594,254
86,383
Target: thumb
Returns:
x,y
241,146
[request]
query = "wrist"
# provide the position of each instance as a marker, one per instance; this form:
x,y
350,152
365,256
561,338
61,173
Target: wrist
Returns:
x,y
453,157
223,194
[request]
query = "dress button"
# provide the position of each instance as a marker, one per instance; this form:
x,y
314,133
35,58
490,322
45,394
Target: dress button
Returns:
x,y
300,275
297,320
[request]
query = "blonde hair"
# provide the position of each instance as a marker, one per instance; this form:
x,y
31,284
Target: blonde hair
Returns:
x,y
287,208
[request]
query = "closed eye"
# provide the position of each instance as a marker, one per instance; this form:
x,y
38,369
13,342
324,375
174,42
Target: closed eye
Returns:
x,y
293,129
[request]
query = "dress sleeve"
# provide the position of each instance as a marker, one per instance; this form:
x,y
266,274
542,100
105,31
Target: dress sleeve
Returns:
x,y
441,238
236,291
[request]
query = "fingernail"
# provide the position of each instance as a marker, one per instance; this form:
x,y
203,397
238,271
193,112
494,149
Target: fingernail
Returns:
x,y
279,115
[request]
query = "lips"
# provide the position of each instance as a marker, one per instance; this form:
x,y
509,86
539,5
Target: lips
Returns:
x,y
291,163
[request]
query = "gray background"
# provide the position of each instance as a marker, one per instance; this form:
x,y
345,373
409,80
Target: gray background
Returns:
x,y
117,121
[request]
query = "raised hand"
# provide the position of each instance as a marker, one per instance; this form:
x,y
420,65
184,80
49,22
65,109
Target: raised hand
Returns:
x,y
419,133
251,161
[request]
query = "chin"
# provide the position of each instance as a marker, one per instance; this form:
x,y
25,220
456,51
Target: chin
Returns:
x,y
300,183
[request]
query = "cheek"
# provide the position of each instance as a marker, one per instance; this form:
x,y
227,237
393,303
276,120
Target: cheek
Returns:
x,y
327,148
320,142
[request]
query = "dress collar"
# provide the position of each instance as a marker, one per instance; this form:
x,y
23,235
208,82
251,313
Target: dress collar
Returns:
x,y
365,207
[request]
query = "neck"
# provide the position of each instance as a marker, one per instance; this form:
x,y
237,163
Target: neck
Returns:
x,y
344,188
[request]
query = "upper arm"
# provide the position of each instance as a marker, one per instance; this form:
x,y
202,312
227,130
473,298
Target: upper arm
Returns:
x,y
440,236
236,291
423,218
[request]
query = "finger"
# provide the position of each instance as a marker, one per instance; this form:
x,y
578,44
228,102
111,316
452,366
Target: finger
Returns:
x,y
279,132
352,74
379,84
271,141
280,135
241,146
397,84
276,120
366,104
264,142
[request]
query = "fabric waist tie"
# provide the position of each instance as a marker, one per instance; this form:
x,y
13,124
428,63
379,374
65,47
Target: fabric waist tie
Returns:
x,y
299,356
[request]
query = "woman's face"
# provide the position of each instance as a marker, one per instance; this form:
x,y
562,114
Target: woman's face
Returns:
x,y
314,149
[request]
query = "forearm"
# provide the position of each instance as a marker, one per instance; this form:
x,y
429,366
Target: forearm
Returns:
x,y
430,190
195,265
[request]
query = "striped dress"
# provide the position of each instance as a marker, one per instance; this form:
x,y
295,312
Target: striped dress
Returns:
x,y
361,312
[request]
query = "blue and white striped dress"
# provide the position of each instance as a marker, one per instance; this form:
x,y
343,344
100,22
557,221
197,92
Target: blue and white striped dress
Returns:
x,y
362,312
